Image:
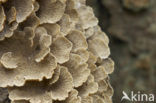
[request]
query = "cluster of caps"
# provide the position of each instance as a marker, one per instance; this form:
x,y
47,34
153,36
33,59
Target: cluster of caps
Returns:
x,y
53,51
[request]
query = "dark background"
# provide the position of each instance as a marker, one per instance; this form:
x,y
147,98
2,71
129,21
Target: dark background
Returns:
x,y
131,28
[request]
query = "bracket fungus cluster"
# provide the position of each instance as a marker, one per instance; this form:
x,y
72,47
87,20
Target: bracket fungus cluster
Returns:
x,y
53,51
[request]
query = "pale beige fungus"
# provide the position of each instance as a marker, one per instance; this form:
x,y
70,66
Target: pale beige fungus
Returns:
x,y
53,51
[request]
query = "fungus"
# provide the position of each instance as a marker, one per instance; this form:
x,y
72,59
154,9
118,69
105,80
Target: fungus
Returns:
x,y
24,59
50,11
61,48
23,9
80,42
72,98
89,87
87,99
87,18
97,99
53,51
43,91
20,101
9,61
79,71
66,24
2,19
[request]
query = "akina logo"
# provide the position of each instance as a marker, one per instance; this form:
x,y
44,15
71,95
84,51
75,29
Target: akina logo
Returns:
x,y
138,97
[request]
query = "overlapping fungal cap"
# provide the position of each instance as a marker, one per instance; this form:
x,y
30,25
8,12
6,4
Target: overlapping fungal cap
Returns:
x,y
78,70
44,92
21,60
53,51
51,11
72,98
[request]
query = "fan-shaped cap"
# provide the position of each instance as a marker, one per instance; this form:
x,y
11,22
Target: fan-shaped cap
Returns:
x,y
60,89
52,29
91,62
2,18
32,21
79,27
17,13
84,55
73,15
43,92
99,48
9,61
79,72
87,99
102,86
55,75
89,87
66,24
92,67
107,99
8,30
92,58
35,92
98,43
72,98
51,11
61,48
87,17
11,15
89,32
24,64
98,99
71,10
108,65
78,40
18,76
24,9
99,74
44,42
109,92
98,34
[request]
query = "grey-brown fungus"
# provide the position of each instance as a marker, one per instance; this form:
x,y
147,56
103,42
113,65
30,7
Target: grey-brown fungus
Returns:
x,y
53,51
